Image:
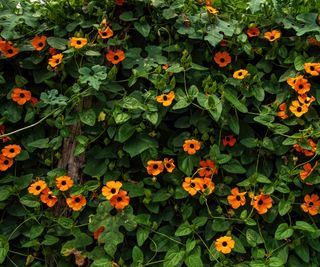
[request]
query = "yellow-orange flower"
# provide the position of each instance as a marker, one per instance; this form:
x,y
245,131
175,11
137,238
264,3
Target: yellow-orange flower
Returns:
x,y
305,100
37,187
169,164
78,42
166,99
111,188
262,203
76,202
282,113
311,205
273,35
312,68
105,33
301,85
224,244
236,199
212,10
205,183
63,183
120,200
55,60
240,74
192,186
298,109
155,167
191,146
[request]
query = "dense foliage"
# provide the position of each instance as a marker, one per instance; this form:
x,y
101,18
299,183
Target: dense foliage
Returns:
x,y
159,133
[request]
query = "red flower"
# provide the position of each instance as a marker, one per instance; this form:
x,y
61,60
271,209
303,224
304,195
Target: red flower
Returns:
x,y
229,140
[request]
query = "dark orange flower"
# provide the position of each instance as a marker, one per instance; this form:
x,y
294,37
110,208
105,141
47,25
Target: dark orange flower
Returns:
x,y
48,198
236,199
11,151
98,232
111,188
52,51
311,205
224,43
208,168
292,80
191,146
155,167
229,140
121,200
2,132
297,109
5,163
120,2
205,183
312,68
222,59
192,186
282,113
37,187
55,60
166,99
313,41
78,42
115,57
224,244
306,152
34,100
273,35
305,100
262,203
63,183
105,33
39,42
20,96
240,74
301,85
253,32
307,170
169,164
8,49
76,202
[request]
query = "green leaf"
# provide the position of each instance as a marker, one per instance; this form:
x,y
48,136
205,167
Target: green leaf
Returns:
x,y
5,192
253,238
142,235
283,231
255,5
174,256
299,63
234,166
127,16
137,255
143,27
49,240
40,143
4,248
124,132
92,53
284,207
58,43
29,201
301,225
139,143
194,258
184,229
35,231
88,117
234,101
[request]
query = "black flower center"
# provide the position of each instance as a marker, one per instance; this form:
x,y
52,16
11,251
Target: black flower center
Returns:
x,y
77,199
116,57
227,138
272,37
224,243
205,186
119,199
40,44
238,198
50,197
191,145
311,68
311,204
208,169
301,86
22,95
104,34
240,74
11,150
113,191
260,202
168,165
63,182
79,42
57,61
165,98
6,162
299,109
192,185
222,60
38,187
155,166
10,51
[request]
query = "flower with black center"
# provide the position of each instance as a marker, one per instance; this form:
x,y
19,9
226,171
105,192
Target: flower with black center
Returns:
x,y
206,184
155,167
55,60
262,203
312,68
282,113
5,163
306,100
48,198
301,85
191,146
192,186
223,59
78,42
8,49
311,205
236,199
224,244
169,164
207,168
63,183
211,10
37,187
39,42
11,151
298,109
272,36
111,188
120,200
115,57
20,96
229,140
76,202
240,74
253,32
105,33
166,99
292,80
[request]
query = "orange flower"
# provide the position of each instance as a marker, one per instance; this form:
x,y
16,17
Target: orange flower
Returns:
x,y
115,57
121,200
78,42
111,188
20,96
262,203
223,43
240,74
169,164
301,85
306,152
166,99
11,151
37,187
273,35
224,244
34,100
312,68
307,170
236,199
253,32
282,113
222,59
52,51
305,100
313,41
208,168
292,80
39,42
205,183
311,205
63,183
98,232
212,10
229,140
191,146
297,109
5,163
55,60
48,198
105,33
120,2
155,167
192,186
2,132
76,202
8,50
